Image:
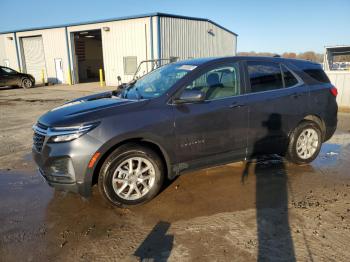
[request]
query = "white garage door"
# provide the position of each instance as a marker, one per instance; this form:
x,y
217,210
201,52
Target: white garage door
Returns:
x,y
34,58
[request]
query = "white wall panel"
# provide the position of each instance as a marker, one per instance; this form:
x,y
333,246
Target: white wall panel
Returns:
x,y
3,55
8,50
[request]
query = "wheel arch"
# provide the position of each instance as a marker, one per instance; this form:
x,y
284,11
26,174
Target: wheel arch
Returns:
x,y
316,119
140,141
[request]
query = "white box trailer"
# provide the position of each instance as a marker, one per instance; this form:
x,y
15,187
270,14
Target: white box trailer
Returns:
x,y
339,77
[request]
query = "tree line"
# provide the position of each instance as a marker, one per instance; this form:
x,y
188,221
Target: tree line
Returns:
x,y
309,55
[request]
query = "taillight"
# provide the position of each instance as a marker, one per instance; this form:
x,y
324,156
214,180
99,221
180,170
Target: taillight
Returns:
x,y
334,91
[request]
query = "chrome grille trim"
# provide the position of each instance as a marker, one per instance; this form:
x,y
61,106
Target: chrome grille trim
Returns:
x,y
41,126
39,136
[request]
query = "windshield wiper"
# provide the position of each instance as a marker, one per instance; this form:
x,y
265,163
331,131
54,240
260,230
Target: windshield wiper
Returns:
x,y
123,89
128,88
124,86
139,96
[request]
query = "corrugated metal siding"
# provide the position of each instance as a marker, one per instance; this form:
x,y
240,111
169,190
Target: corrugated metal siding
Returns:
x,y
155,37
8,50
190,39
124,38
34,57
3,55
54,43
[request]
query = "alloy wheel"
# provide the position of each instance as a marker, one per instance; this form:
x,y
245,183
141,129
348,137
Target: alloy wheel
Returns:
x,y
307,143
133,178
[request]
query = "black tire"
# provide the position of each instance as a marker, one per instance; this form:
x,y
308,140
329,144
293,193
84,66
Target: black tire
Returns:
x,y
27,83
117,157
292,154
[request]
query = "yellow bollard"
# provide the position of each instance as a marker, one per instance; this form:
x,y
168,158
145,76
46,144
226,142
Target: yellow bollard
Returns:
x,y
102,83
42,76
69,78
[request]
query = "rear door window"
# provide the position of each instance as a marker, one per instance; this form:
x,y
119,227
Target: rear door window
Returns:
x,y
264,76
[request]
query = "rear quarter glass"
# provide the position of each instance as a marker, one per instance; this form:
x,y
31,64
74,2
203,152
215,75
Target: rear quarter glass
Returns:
x,y
313,71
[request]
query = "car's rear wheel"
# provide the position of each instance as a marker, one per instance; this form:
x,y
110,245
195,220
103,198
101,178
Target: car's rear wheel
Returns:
x,y
305,143
27,83
131,175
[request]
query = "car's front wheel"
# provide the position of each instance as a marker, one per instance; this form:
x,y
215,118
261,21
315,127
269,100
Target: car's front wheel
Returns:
x,y
131,175
27,83
305,143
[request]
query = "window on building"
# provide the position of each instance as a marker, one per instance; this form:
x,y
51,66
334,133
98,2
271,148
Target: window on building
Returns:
x,y
264,76
130,65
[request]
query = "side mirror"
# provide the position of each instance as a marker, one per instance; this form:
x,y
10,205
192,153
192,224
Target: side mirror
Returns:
x,y
190,96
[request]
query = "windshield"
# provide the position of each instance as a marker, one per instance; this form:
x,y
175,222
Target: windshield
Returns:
x,y
8,70
157,82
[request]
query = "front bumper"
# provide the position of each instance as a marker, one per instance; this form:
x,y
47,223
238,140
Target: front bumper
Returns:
x,y
65,165
72,187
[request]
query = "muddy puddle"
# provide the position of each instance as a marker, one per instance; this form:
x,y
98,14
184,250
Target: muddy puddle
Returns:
x,y
43,223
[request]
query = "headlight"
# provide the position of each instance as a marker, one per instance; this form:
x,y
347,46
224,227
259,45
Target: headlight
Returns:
x,y
65,134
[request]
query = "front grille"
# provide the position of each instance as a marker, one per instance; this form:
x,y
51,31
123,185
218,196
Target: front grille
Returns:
x,y
38,141
40,131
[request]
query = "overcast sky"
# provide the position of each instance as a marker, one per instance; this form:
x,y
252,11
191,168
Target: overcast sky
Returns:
x,y
270,25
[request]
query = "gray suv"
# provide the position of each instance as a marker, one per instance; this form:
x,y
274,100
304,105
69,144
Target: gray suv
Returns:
x,y
184,116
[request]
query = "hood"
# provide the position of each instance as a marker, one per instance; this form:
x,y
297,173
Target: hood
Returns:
x,y
84,109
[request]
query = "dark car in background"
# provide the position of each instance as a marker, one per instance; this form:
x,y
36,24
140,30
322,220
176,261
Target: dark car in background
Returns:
x,y
10,77
184,116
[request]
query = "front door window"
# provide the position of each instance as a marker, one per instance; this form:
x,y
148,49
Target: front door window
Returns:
x,y
221,82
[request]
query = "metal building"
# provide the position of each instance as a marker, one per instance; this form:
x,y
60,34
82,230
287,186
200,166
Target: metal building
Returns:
x,y
76,52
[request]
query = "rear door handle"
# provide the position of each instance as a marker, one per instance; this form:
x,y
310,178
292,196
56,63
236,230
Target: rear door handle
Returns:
x,y
236,105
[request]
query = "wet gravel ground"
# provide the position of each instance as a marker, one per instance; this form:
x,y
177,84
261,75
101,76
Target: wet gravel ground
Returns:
x,y
279,212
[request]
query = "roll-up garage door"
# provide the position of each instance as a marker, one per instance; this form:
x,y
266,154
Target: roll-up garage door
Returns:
x,y
34,57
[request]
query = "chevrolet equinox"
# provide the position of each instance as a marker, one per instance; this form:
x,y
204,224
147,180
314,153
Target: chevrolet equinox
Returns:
x,y
184,116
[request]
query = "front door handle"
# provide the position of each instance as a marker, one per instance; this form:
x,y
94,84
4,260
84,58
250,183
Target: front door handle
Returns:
x,y
236,105
296,95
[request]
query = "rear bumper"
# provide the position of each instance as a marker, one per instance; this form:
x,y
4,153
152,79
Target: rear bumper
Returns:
x,y
330,130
